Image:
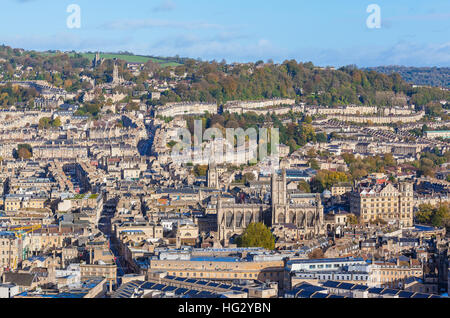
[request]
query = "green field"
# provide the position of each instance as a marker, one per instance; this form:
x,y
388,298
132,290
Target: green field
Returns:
x,y
126,57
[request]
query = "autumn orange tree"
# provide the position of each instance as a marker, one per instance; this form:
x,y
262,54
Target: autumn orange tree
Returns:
x,y
24,151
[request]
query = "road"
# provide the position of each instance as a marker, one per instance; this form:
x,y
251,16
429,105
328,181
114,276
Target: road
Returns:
x,y
105,227
145,146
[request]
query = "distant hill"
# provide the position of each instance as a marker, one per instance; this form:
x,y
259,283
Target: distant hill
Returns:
x,y
428,76
127,57
214,82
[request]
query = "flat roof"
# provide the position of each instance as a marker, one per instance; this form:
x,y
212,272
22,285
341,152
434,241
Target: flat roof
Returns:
x,y
326,260
215,259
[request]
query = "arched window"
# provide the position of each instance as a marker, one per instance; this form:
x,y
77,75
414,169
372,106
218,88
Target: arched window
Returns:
x,y
229,219
240,219
248,218
292,217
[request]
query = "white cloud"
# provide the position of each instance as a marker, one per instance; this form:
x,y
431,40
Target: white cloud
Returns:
x,y
157,23
401,53
65,41
216,47
165,5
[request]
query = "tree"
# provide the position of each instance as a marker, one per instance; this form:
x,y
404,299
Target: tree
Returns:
x,y
352,219
306,134
44,122
441,216
249,177
257,235
389,160
24,153
47,122
322,138
425,214
216,120
307,119
314,164
349,158
437,216
312,153
171,144
56,122
325,179
200,171
378,221
132,106
304,186
316,254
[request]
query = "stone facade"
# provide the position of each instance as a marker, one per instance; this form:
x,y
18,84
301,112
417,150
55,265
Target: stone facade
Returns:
x,y
385,202
184,109
379,119
304,211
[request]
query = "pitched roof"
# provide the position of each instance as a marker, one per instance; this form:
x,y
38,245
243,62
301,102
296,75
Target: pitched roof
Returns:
x,y
20,279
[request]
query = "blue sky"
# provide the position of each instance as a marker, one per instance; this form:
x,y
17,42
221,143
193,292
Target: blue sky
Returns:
x,y
326,32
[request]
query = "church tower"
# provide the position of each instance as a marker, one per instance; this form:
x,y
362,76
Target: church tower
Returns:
x,y
213,177
406,203
116,79
279,197
97,60
279,188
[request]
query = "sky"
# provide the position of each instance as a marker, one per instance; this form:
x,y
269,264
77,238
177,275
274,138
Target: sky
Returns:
x,y
325,32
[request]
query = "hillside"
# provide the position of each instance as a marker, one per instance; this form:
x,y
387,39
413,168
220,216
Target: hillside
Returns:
x,y
130,58
427,76
214,82
221,82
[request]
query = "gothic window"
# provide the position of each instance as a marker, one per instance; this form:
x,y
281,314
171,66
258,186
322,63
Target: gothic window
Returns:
x,y
240,219
248,218
229,219
292,217
301,220
310,219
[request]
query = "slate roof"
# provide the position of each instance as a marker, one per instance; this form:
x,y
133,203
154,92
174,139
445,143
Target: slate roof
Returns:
x,y
20,279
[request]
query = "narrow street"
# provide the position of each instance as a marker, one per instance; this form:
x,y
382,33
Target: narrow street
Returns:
x,y
105,227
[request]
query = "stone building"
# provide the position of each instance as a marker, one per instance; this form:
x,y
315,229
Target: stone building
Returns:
x,y
291,208
305,211
233,219
185,108
9,250
224,269
394,274
213,177
384,201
